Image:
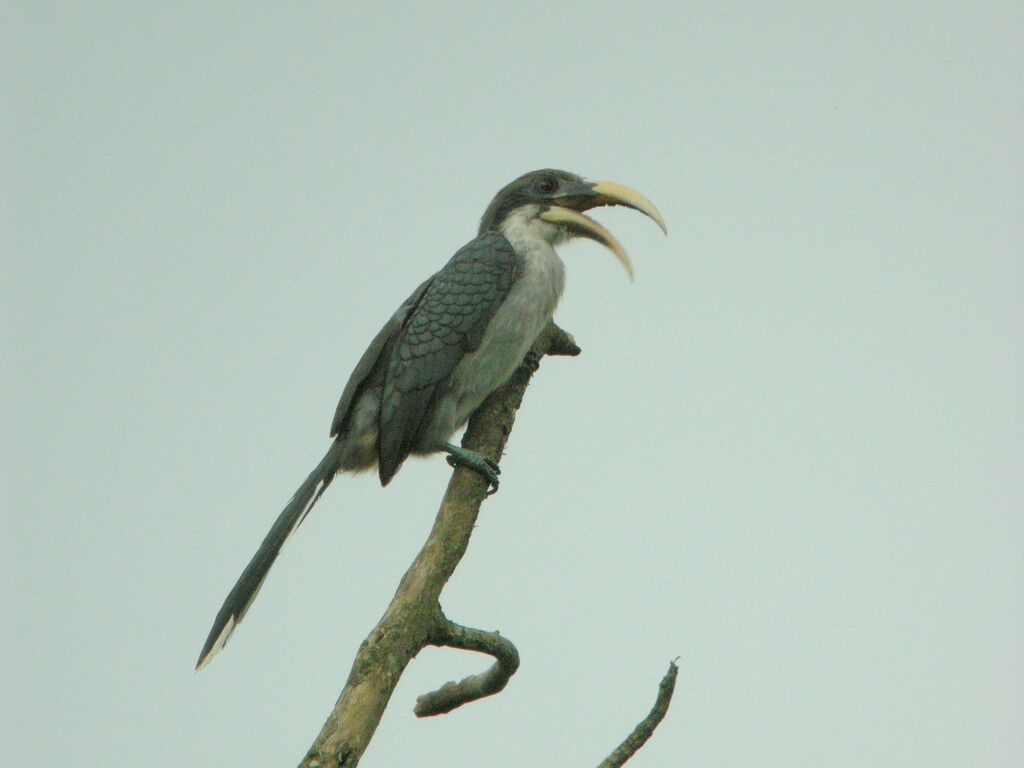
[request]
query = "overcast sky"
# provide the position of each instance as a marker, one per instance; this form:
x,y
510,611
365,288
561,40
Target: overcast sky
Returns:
x,y
790,455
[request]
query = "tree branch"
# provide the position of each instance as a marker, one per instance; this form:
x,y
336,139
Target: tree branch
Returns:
x,y
453,695
414,620
645,727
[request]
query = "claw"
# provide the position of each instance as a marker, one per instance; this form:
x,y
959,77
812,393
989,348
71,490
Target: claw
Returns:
x,y
479,463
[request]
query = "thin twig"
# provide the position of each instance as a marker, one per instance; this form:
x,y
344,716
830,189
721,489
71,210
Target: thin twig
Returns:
x,y
646,727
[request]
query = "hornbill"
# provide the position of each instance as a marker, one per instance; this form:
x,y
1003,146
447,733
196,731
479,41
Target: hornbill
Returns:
x,y
454,341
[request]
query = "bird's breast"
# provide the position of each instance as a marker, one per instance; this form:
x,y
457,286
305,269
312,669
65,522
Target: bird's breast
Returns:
x,y
531,301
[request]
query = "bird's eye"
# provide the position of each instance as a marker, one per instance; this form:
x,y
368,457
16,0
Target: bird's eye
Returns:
x,y
547,185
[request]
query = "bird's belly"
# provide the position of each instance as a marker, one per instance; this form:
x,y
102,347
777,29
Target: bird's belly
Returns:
x,y
509,335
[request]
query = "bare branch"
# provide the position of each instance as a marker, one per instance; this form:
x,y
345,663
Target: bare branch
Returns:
x,y
453,695
646,727
414,620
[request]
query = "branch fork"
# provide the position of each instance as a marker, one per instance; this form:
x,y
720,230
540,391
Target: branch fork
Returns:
x,y
414,618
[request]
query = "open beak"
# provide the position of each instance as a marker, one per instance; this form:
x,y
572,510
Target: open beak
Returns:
x,y
590,194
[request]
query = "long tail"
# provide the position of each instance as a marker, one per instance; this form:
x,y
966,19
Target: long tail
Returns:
x,y
248,585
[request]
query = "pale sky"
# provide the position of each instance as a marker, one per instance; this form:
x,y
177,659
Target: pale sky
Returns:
x,y
790,455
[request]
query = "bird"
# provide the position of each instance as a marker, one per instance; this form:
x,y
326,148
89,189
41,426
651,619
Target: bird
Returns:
x,y
457,338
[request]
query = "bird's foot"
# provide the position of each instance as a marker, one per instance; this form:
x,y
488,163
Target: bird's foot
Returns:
x,y
479,463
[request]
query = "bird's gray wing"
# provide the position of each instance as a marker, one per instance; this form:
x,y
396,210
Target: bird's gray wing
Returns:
x,y
448,322
373,354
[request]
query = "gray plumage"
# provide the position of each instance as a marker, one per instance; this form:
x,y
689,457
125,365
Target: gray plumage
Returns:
x,y
458,337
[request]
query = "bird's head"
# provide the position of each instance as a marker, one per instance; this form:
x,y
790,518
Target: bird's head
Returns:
x,y
559,198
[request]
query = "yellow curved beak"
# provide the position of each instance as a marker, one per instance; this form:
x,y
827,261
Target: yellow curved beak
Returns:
x,y
595,193
586,227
